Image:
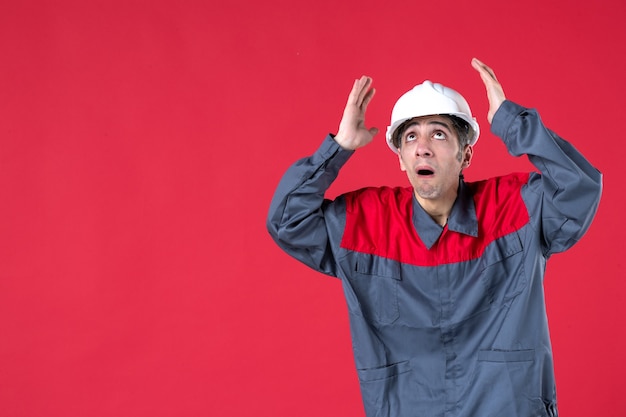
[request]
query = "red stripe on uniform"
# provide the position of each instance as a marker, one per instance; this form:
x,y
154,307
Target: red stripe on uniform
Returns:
x,y
379,222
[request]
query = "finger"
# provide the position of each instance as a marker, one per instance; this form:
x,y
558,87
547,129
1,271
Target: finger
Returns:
x,y
483,69
489,82
364,88
367,99
357,92
354,93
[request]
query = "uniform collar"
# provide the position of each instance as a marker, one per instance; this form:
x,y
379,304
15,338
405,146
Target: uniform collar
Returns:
x,y
462,218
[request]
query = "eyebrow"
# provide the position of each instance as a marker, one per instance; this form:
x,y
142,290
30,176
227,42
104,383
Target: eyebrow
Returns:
x,y
430,122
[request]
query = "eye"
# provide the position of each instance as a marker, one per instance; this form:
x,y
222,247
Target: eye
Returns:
x,y
410,137
439,135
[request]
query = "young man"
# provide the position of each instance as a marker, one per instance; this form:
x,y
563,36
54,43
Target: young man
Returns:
x,y
443,279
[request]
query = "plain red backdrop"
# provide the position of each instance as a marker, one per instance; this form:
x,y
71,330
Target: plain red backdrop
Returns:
x,y
140,143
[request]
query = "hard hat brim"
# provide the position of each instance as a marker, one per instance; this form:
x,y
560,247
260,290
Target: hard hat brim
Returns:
x,y
472,122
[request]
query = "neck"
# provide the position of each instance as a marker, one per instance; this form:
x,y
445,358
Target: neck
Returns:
x,y
438,210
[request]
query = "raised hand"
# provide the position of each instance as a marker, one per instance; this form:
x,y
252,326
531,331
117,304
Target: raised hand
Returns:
x,y
495,93
352,132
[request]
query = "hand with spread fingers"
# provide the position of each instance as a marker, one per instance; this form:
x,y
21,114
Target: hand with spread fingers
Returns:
x,y
352,132
495,93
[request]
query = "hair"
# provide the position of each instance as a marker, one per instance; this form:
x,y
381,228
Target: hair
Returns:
x,y
464,132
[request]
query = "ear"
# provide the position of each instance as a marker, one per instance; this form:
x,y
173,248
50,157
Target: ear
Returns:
x,y
468,153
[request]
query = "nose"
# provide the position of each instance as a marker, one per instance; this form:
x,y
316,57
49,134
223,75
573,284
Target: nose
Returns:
x,y
422,148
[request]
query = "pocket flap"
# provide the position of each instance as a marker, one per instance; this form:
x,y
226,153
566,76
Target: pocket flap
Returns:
x,y
377,266
383,372
502,248
506,355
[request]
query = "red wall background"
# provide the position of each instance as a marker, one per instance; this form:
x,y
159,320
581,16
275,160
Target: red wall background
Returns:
x,y
140,143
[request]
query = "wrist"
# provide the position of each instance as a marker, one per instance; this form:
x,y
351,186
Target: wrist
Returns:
x,y
344,143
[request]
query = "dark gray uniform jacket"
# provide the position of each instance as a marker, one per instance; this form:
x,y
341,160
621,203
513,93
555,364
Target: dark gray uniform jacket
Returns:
x,y
446,321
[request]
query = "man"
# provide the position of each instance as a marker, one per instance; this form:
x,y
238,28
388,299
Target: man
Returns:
x,y
443,279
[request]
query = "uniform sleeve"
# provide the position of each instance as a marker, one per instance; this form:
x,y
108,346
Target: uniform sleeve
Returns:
x,y
564,196
300,218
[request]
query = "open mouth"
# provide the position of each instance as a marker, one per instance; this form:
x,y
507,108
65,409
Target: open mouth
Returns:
x,y
424,172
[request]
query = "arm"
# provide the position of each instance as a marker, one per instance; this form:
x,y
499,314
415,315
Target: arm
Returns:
x,y
568,187
300,219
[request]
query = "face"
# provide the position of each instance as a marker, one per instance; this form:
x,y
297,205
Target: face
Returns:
x,y
430,155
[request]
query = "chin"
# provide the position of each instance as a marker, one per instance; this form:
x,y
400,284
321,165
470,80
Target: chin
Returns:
x,y
428,193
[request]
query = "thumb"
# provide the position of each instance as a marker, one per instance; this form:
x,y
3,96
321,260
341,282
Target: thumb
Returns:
x,y
373,131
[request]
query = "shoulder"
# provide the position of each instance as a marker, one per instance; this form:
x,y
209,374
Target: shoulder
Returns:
x,y
501,186
381,198
499,203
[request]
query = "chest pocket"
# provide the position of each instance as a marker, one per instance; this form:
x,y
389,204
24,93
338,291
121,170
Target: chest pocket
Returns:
x,y
502,267
375,283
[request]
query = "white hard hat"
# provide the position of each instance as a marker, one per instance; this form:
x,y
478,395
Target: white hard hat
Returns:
x,y
428,99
